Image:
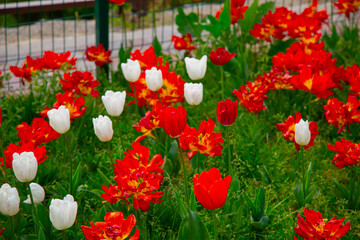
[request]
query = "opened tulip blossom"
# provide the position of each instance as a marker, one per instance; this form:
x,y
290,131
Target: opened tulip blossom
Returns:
x,y
302,133
63,212
195,68
211,189
98,55
193,93
115,227
131,70
154,79
25,166
38,193
114,102
9,200
221,56
59,119
317,228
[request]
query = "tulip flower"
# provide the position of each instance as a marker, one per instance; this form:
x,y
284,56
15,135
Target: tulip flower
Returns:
x,y
9,200
1,231
302,133
211,189
59,119
221,56
154,79
114,102
193,93
63,212
227,112
103,128
131,70
195,68
173,121
37,192
315,227
25,166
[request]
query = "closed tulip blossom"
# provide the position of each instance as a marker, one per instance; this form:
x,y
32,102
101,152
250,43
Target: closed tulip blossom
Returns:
x,y
38,193
315,227
221,56
9,200
211,189
25,166
131,70
227,111
154,79
193,93
195,68
63,212
173,121
59,119
103,128
302,133
114,102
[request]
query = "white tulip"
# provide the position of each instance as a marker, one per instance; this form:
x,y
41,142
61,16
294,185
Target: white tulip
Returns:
x,y
25,166
59,119
63,212
131,70
103,128
302,133
195,68
9,200
38,193
154,79
114,102
193,93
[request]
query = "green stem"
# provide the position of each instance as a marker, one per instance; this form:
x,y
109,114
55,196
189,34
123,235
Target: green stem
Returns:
x,y
111,158
121,139
70,159
63,235
185,173
137,105
11,218
3,156
198,12
34,210
352,201
229,151
215,224
301,154
124,24
222,82
157,92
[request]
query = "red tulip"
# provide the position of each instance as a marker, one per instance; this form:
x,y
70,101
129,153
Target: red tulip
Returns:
x,y
227,111
221,56
210,189
1,231
173,121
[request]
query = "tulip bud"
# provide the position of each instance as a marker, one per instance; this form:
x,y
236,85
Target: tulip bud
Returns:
x,y
25,166
38,193
302,133
173,121
193,93
196,69
59,119
154,80
227,111
63,212
103,128
114,102
131,70
9,200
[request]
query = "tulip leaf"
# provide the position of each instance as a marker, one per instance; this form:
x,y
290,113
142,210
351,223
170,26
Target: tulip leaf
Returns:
x,y
225,16
263,9
249,18
41,235
76,178
192,227
215,26
188,23
193,204
44,220
280,46
104,178
262,224
157,46
298,193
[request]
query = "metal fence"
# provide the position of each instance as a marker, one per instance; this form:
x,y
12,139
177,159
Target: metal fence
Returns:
x,y
29,28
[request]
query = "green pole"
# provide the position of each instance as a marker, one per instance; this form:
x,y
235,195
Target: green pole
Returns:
x,y
102,26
